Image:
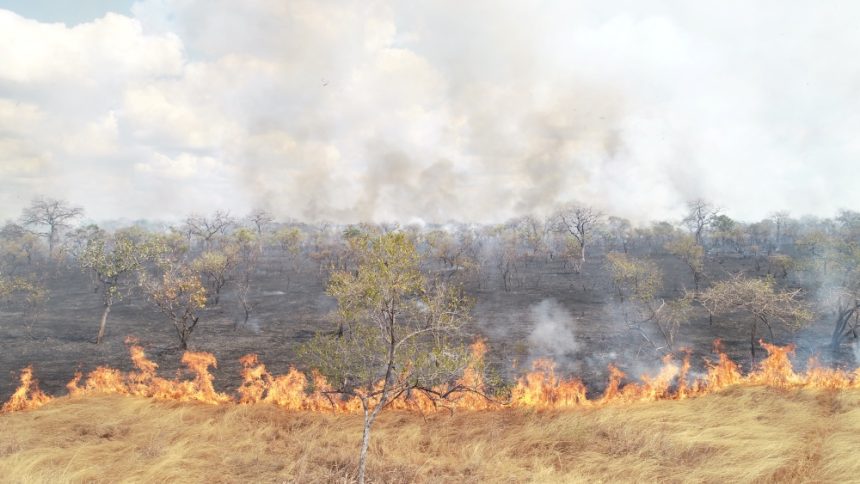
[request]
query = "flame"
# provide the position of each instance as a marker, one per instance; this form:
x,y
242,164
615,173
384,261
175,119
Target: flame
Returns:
x,y
541,388
27,396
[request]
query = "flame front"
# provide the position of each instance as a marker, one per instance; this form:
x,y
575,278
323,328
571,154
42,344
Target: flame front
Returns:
x,y
540,388
27,396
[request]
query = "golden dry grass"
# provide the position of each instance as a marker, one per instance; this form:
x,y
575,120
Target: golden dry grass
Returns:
x,y
739,435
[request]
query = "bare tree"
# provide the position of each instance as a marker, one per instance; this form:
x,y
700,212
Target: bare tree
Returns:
x,y
580,222
759,298
51,214
260,218
245,243
700,215
780,219
206,228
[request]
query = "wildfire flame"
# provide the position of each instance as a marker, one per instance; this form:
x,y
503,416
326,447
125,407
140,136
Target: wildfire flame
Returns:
x,y
27,395
540,388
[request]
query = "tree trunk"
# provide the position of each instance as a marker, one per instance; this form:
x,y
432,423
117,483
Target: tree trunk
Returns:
x,y
52,235
752,339
183,336
365,443
103,323
842,318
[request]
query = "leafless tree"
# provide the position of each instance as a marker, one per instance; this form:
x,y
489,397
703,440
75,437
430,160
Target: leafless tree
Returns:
x,y
700,215
780,219
51,214
580,222
206,228
759,298
260,218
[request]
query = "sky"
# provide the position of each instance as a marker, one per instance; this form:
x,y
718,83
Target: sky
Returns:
x,y
365,110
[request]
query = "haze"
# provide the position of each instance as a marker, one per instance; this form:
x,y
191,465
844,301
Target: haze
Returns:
x,y
404,111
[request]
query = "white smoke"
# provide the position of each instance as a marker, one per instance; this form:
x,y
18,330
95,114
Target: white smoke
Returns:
x,y
553,333
385,110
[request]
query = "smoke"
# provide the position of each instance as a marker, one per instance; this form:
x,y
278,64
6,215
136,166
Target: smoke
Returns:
x,y
552,335
384,110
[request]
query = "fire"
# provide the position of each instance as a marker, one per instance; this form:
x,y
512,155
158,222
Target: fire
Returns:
x,y
542,388
27,396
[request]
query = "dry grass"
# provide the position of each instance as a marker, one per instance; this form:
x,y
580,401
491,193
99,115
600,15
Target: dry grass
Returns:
x,y
740,435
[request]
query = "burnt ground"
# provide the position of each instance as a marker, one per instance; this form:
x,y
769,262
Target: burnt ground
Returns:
x,y
291,306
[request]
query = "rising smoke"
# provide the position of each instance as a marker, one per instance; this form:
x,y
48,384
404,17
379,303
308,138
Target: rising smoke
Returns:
x,y
443,110
552,334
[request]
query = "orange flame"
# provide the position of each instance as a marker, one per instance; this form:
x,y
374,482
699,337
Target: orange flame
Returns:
x,y
27,396
540,388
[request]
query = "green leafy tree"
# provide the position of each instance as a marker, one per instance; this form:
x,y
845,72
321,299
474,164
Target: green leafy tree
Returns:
x,y
215,266
397,333
113,262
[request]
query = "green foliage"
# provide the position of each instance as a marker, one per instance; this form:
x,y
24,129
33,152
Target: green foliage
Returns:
x,y
20,291
398,327
289,240
113,260
180,296
634,278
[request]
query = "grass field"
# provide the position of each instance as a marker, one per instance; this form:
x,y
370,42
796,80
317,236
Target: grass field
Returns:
x,y
743,434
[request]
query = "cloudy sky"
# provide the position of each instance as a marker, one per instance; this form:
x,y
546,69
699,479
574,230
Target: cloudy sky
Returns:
x,y
480,110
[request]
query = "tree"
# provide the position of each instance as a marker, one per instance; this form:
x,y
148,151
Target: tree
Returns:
x,y
215,267
779,265
289,241
18,248
206,228
23,294
580,222
398,330
247,253
52,214
700,214
180,295
533,233
260,218
619,231
637,284
780,219
834,263
759,298
724,228
112,261
687,249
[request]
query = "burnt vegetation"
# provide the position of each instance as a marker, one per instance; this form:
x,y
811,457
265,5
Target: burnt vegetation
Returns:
x,y
71,292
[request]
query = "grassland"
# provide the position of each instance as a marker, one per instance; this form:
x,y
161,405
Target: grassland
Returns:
x,y
738,435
